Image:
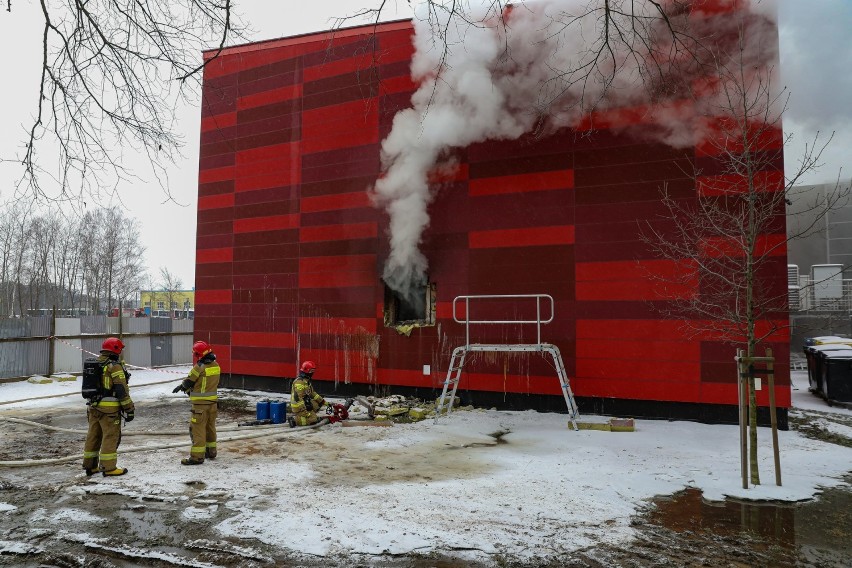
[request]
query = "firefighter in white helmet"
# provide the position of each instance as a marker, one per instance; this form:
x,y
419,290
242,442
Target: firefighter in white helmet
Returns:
x,y
304,402
202,386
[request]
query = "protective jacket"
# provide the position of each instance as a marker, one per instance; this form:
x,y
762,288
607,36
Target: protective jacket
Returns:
x,y
304,402
114,383
104,417
202,386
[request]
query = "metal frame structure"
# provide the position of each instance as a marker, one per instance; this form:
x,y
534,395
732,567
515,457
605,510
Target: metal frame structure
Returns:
x,y
459,356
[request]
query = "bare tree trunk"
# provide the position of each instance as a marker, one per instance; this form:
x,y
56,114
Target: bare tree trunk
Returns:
x,y
170,284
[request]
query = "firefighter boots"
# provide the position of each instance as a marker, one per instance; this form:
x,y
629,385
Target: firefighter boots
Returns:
x,y
191,461
116,471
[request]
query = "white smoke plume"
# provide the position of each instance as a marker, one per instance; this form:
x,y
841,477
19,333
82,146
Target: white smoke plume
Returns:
x,y
486,72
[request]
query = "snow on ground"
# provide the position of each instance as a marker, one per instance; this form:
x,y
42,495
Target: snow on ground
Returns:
x,y
481,481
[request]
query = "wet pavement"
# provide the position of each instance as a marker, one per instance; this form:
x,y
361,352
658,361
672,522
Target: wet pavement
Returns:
x,y
682,530
813,533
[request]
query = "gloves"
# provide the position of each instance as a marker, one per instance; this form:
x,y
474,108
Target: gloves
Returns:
x,y
129,416
178,388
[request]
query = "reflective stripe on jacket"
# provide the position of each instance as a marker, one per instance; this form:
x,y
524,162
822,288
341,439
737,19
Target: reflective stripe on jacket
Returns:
x,y
204,378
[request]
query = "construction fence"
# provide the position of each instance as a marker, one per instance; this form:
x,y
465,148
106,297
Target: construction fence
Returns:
x,y
44,345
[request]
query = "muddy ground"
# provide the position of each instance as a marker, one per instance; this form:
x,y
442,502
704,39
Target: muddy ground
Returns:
x,y
679,530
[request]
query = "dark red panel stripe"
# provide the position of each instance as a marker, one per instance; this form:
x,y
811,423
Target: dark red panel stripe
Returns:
x,y
522,237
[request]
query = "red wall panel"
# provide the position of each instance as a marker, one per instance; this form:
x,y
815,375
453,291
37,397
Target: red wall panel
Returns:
x,y
536,181
290,248
272,223
534,236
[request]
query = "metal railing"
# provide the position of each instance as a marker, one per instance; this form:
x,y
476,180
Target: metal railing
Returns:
x,y
538,321
459,356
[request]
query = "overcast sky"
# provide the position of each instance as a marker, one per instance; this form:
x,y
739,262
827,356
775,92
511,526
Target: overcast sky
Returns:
x,y
816,67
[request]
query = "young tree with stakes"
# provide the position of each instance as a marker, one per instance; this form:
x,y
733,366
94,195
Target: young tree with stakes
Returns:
x,y
729,240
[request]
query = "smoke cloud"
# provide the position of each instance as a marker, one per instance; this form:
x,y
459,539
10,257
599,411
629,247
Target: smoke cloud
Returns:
x,y
541,65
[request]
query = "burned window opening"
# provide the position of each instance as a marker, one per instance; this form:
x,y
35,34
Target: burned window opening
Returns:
x,y
416,310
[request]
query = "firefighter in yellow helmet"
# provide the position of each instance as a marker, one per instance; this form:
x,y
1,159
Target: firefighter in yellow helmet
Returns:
x,y
202,386
100,452
304,402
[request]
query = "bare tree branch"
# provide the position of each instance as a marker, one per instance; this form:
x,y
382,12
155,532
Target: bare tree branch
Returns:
x,y
112,75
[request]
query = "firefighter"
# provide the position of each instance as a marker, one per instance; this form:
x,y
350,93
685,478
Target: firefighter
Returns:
x,y
304,402
104,413
201,385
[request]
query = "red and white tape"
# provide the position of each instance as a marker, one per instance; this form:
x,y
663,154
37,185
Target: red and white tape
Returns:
x,y
77,347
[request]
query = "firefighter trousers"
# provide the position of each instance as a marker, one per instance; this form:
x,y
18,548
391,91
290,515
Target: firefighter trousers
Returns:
x,y
102,439
202,430
305,418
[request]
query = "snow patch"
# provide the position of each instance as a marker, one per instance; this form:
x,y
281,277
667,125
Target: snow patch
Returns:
x,y
13,547
63,516
193,513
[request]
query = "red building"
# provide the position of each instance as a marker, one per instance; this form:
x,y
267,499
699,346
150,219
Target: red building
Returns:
x,y
290,250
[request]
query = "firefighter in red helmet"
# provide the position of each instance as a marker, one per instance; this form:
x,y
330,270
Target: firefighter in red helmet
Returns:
x,y
202,386
100,452
304,402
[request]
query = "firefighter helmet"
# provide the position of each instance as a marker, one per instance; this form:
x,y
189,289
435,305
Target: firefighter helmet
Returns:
x,y
308,367
113,345
200,349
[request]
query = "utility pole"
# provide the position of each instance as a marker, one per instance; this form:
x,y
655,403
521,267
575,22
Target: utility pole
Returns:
x,y
827,226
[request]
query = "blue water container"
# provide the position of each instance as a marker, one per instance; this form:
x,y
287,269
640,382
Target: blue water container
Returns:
x,y
263,410
278,411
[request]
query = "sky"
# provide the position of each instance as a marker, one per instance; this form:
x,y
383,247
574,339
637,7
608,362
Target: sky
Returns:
x,y
816,56
426,486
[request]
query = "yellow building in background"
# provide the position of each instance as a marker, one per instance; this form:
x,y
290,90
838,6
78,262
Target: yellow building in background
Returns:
x,y
168,303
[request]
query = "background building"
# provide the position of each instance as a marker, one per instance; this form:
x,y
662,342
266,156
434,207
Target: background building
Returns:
x,y
831,242
168,303
819,274
290,250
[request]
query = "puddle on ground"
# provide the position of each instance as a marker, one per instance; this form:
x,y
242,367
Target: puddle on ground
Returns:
x,y
821,525
147,524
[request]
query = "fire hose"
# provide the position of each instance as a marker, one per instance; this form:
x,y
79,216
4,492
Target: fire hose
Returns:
x,y
76,457
131,432
336,413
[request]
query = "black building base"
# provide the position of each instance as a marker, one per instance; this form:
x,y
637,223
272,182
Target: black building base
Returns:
x,y
626,408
